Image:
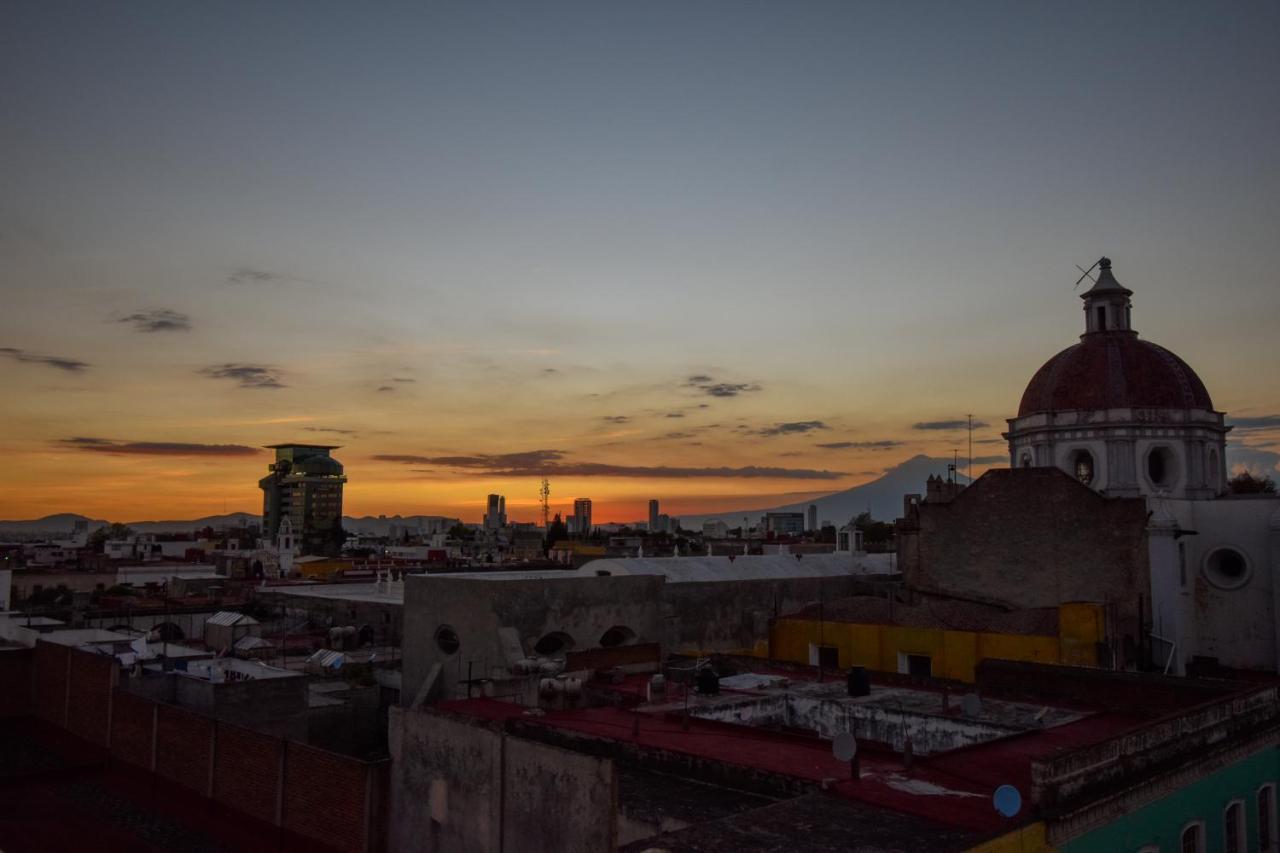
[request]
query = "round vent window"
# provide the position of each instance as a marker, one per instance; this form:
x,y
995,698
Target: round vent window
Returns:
x,y
1226,568
447,640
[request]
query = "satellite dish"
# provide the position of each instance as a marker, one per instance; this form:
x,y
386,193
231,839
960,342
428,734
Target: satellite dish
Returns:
x,y
1007,800
971,705
844,747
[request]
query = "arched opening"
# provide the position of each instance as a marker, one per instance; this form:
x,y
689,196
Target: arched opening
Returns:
x,y
619,635
1082,466
1025,461
366,635
1160,466
257,568
167,632
447,640
555,643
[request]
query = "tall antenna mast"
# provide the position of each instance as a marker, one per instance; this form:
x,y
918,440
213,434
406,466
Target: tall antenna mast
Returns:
x,y
968,471
544,494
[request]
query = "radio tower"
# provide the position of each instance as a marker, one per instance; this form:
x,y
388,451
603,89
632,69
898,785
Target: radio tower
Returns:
x,y
544,493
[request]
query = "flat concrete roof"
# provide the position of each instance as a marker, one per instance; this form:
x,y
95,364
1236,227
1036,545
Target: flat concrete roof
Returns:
x,y
345,592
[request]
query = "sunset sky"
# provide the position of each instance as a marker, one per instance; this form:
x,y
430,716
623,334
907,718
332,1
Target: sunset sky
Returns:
x,y
724,254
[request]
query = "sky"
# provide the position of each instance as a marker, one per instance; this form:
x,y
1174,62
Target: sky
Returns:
x,y
723,254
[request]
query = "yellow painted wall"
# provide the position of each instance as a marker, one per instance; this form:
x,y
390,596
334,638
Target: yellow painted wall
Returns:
x,y
955,654
1028,839
321,568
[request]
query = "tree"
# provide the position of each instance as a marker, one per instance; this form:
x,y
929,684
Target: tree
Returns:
x,y
115,530
1245,483
873,532
556,531
460,531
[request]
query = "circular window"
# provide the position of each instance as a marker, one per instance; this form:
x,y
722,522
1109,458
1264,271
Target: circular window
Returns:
x,y
1226,568
1082,464
1160,466
447,639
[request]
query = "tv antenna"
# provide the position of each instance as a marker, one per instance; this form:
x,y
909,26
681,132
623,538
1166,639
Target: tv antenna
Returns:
x,y
544,495
1084,273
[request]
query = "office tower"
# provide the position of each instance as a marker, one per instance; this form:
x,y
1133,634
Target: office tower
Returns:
x,y
582,515
653,516
305,486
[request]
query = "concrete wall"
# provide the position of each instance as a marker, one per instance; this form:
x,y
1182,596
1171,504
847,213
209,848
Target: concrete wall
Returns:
x,y
1235,623
733,616
478,609
463,785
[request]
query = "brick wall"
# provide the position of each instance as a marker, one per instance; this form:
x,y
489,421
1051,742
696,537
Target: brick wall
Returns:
x,y
50,698
132,718
246,771
1031,537
16,669
183,744
324,796
92,677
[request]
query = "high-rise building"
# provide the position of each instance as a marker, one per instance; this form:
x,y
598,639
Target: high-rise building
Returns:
x,y
582,516
813,517
495,514
653,515
305,486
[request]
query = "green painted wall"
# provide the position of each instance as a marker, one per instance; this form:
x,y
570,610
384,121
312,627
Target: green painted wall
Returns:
x,y
1160,824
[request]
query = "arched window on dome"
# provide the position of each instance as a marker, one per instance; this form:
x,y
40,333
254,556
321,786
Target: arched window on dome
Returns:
x,y
1082,466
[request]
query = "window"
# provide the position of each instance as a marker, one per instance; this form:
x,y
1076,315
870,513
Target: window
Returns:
x,y
618,635
1193,839
1182,564
554,643
1101,313
1267,819
917,666
1083,465
1026,460
1233,828
1160,466
1214,474
1226,568
828,657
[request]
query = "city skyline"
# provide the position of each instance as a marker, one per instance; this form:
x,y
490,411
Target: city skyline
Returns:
x,y
731,260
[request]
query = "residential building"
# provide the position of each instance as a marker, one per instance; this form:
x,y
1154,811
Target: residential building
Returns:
x,y
495,514
784,523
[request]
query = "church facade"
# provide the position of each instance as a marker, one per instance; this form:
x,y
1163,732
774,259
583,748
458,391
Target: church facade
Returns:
x,y
1116,494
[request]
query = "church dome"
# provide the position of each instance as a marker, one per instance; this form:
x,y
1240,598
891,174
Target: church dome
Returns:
x,y
1114,370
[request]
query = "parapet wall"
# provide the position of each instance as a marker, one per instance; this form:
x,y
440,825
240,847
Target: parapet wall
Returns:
x,y
324,800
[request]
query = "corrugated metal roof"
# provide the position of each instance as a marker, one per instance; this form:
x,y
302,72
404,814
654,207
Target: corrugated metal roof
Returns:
x,y
230,617
246,644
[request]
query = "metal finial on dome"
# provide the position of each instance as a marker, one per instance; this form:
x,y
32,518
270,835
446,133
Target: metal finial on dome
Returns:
x,y
1104,262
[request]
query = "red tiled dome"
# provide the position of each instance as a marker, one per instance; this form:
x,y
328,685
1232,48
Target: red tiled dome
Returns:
x,y
1114,370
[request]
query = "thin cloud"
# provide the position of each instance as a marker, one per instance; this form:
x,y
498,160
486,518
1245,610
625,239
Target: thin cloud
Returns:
x,y
157,448
1260,422
948,425
246,375
402,379
385,388
70,365
860,445
675,414
616,419
249,275
537,462
334,430
709,386
158,320
792,428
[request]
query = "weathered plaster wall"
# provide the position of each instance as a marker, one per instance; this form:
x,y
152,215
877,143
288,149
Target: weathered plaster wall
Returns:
x,y
463,785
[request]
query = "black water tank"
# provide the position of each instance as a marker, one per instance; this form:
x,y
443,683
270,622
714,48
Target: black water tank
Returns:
x,y
708,682
859,681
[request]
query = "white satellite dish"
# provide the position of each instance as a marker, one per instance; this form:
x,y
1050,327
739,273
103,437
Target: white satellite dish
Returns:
x,y
844,747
